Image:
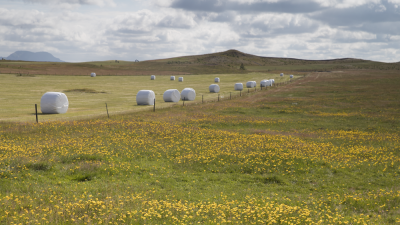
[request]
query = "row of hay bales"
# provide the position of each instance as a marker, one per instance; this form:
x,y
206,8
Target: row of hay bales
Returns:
x,y
147,97
291,76
180,79
57,102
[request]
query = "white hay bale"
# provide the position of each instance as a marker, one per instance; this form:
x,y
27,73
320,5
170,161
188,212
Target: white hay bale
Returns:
x,y
188,94
171,95
54,103
93,74
238,86
216,80
251,84
145,97
214,88
180,79
273,81
291,76
153,77
172,78
281,74
262,83
265,83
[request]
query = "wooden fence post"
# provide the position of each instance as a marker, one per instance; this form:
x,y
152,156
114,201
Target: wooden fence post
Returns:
x,y
107,111
36,113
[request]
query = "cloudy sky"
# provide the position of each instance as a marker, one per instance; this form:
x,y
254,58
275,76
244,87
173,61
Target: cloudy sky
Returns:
x,y
88,30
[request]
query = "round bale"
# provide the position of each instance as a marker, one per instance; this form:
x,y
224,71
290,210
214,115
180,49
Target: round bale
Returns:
x,y
251,84
216,80
214,88
291,76
265,83
180,79
153,77
54,103
93,74
172,78
145,97
239,87
281,74
188,94
171,95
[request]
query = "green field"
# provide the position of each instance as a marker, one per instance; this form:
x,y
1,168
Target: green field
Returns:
x,y
20,93
323,149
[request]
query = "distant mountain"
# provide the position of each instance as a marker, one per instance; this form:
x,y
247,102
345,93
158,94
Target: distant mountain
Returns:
x,y
33,56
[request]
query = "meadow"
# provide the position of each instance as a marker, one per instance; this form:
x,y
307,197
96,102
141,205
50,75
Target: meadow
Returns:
x,y
88,95
323,149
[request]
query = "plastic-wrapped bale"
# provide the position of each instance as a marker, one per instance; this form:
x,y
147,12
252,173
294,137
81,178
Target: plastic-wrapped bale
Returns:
x,y
272,81
145,97
216,80
171,95
281,74
251,84
172,78
153,77
180,79
188,94
93,74
265,83
238,86
291,76
214,88
54,103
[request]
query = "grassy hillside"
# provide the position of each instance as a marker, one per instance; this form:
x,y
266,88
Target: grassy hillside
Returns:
x,y
321,150
217,63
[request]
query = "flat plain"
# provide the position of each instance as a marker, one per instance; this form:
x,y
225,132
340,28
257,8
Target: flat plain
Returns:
x,y
323,149
87,95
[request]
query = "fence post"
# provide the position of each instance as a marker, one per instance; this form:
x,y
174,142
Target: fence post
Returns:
x,y
107,111
36,113
154,108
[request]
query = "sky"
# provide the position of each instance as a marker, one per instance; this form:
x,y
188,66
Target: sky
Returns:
x,y
96,30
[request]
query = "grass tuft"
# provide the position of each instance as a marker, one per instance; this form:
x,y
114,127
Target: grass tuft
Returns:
x,y
39,166
84,90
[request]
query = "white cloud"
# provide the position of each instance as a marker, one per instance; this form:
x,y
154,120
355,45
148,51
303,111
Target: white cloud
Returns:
x,y
343,36
74,2
380,8
346,3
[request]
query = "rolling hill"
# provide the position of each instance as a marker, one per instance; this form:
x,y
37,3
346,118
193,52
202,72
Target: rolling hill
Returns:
x,y
227,62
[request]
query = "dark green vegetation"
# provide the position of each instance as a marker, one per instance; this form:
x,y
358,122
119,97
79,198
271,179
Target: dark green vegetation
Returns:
x,y
217,63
